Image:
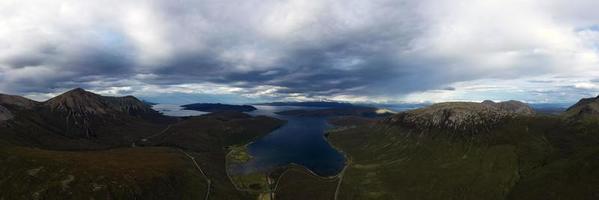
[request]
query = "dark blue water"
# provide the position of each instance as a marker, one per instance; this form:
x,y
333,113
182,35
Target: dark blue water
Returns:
x,y
300,141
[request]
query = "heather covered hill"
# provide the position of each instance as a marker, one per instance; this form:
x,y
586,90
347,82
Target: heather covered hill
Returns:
x,y
462,116
79,119
132,173
292,185
439,156
17,101
453,150
208,137
50,141
80,103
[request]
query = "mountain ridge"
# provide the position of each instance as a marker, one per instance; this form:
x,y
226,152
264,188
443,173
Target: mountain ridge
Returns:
x,y
17,101
82,102
461,116
586,107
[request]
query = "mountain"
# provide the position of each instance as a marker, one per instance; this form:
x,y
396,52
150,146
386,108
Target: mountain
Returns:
x,y
109,120
587,107
217,107
17,102
5,114
461,116
81,145
79,102
431,153
79,119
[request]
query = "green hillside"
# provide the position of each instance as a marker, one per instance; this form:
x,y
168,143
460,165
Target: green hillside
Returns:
x,y
523,158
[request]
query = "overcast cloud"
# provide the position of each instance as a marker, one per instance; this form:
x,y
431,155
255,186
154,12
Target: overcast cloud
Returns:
x,y
257,50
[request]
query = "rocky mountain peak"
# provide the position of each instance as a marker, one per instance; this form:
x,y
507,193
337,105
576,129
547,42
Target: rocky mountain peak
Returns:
x,y
78,101
461,116
81,101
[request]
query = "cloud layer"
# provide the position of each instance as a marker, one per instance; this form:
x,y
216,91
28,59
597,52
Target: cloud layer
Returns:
x,y
380,50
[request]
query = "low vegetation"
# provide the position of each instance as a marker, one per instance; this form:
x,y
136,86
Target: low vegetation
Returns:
x,y
298,183
131,173
517,160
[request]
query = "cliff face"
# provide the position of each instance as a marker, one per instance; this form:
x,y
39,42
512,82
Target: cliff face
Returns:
x,y
461,116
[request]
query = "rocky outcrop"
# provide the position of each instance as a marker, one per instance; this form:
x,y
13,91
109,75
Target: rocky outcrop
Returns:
x,y
512,106
128,104
5,114
461,116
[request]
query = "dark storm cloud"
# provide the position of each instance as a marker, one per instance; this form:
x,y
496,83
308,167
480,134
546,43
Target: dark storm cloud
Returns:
x,y
319,49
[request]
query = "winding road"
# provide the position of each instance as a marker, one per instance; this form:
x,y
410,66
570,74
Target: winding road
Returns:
x,y
193,159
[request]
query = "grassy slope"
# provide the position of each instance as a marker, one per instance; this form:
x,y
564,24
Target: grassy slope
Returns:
x,y
132,173
208,136
124,173
519,159
43,129
298,183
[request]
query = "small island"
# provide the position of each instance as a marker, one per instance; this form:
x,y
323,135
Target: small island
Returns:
x,y
217,107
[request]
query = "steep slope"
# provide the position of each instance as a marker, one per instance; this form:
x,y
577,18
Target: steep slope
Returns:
x,y
79,119
79,102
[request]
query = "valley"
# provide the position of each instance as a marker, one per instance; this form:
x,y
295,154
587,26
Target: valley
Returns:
x,y
83,145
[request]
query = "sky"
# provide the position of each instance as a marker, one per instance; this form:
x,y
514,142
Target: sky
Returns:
x,y
376,51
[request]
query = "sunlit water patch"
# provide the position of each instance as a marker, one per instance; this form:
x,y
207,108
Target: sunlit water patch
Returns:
x,y
175,110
